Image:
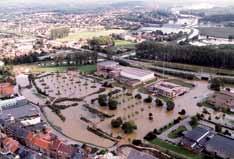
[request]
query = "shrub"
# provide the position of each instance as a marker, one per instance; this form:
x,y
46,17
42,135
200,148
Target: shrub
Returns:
x,y
148,99
150,136
159,102
102,100
116,123
170,105
138,96
137,142
129,127
112,104
182,112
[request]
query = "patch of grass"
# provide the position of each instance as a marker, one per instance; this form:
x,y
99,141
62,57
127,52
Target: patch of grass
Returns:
x,y
88,68
177,132
175,149
124,43
181,83
90,34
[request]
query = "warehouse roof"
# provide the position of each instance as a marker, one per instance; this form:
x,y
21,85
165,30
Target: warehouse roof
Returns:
x,y
221,145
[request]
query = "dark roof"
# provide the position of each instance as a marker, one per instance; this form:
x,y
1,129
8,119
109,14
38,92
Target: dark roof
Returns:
x,y
196,133
18,132
25,111
222,146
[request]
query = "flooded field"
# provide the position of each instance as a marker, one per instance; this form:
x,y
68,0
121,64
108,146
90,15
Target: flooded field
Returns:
x,y
129,108
68,85
76,128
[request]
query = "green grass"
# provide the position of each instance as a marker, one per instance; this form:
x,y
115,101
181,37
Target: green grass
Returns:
x,y
87,68
181,83
124,43
90,34
176,133
174,149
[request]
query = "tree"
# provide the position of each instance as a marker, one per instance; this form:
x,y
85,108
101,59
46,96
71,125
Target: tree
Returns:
x,y
116,123
216,84
194,121
148,99
137,142
159,102
170,105
102,100
182,112
138,96
150,136
129,127
112,104
218,128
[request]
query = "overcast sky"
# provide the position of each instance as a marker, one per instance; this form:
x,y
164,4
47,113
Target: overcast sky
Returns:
x,y
171,2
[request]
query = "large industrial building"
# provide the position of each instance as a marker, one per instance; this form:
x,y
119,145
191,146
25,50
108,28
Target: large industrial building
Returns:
x,y
129,75
21,110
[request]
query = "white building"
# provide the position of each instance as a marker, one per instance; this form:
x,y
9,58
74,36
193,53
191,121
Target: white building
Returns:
x,y
137,74
113,69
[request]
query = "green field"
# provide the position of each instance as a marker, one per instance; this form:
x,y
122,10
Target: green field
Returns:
x,y
124,43
174,149
177,132
90,34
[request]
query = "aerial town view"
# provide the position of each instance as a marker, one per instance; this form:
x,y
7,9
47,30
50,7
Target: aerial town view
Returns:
x,y
120,79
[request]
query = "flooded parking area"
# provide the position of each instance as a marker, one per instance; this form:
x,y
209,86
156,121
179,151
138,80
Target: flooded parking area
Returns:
x,y
67,85
78,117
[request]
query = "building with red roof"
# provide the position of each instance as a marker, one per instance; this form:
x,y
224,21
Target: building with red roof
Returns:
x,y
6,89
10,145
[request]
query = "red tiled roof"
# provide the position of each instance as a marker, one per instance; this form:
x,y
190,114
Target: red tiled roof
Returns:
x,y
41,143
11,144
6,89
65,149
55,144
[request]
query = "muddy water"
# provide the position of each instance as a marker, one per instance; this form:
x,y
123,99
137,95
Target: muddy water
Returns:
x,y
69,84
75,128
138,111
129,109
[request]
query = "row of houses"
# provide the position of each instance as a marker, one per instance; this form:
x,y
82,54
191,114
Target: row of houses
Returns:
x,y
21,124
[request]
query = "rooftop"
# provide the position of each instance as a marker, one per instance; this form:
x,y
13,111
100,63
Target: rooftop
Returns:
x,y
108,63
221,145
22,112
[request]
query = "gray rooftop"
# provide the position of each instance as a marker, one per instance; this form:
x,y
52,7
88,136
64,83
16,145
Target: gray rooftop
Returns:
x,y
222,146
21,112
196,134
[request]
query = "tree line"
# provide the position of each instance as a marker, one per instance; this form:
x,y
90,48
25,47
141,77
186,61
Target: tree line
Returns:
x,y
204,56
